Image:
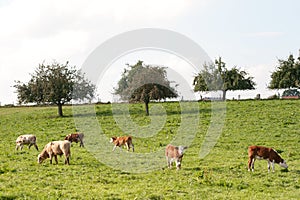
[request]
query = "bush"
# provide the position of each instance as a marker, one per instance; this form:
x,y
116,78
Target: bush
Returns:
x,y
291,92
273,97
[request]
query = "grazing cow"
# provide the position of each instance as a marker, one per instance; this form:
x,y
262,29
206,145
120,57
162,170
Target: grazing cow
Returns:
x,y
174,153
75,137
26,139
120,141
269,154
56,148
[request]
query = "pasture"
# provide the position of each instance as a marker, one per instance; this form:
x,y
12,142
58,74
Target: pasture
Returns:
x,y
220,175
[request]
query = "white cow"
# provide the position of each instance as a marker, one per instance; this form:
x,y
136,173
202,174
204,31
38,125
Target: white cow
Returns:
x,y
26,139
174,153
52,149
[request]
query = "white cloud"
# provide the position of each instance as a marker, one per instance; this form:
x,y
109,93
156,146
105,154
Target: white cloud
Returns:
x,y
266,34
33,31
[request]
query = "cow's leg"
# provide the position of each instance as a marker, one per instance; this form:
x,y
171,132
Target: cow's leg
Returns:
x,y
253,160
114,147
273,166
127,146
250,163
36,147
168,162
21,146
55,157
67,161
50,157
17,146
132,147
178,164
81,143
269,163
29,145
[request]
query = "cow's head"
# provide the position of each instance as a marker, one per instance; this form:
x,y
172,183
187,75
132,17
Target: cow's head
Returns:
x,y
283,164
40,159
112,139
67,137
43,156
181,149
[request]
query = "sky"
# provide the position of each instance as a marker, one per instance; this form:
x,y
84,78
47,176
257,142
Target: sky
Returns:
x,y
251,35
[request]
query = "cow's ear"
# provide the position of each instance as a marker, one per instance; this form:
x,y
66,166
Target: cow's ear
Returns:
x,y
185,147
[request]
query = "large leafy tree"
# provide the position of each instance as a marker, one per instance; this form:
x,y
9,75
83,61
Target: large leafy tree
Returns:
x,y
215,76
143,83
287,74
55,84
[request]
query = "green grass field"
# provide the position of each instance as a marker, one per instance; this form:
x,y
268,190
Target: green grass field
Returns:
x,y
220,175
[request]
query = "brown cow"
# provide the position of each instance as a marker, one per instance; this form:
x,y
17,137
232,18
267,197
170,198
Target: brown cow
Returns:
x,y
269,154
56,148
76,137
174,153
120,141
26,139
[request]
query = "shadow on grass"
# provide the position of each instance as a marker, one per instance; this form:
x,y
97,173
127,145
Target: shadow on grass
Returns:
x,y
192,169
8,197
109,113
137,110
297,172
285,170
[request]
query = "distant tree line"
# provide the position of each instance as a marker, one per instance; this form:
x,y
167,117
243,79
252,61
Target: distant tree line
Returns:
x,y
58,84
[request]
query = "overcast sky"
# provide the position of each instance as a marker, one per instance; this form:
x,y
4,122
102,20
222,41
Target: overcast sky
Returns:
x,y
252,35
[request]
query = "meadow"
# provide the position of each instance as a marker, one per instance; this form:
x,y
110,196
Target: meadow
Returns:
x,y
222,174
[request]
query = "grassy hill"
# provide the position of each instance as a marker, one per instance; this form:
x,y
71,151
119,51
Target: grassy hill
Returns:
x,y
222,174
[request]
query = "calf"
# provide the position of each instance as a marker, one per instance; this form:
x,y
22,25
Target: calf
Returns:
x,y
174,153
120,141
56,148
75,137
269,154
26,139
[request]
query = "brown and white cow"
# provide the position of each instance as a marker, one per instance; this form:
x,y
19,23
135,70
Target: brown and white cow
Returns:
x,y
52,149
123,140
174,153
26,140
269,154
76,137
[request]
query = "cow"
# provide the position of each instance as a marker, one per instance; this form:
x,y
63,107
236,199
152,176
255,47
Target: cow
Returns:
x,y
269,154
174,153
123,140
52,149
75,137
26,139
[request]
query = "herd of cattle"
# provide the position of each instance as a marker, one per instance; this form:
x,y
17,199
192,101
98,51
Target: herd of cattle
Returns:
x,y
52,149
172,153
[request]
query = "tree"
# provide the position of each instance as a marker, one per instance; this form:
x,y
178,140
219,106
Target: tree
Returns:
x,y
55,84
143,83
287,74
216,76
